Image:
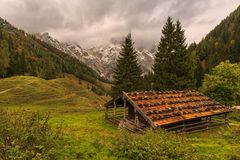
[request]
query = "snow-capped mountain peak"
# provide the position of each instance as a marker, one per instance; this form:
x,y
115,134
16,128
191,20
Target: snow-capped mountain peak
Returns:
x,y
101,59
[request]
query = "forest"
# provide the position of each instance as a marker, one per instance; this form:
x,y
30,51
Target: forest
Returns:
x,y
23,54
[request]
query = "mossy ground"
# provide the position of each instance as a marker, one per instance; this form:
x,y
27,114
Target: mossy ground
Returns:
x,y
79,111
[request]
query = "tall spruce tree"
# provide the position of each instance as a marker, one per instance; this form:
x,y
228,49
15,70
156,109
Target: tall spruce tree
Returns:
x,y
4,58
127,74
174,66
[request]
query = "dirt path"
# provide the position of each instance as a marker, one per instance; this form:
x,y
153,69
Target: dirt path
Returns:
x,y
5,91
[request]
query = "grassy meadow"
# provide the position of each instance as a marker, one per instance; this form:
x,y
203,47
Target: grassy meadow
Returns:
x,y
79,111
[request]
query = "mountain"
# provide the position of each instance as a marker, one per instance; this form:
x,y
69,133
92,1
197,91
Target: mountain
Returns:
x,y
23,54
222,43
101,59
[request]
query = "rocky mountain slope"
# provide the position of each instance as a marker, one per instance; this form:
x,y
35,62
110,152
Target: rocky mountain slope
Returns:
x,y
101,59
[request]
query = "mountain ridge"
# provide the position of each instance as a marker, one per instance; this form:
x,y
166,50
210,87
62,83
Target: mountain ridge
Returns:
x,y
102,59
23,54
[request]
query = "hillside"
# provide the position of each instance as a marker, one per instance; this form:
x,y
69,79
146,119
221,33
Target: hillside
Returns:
x,y
22,54
101,59
222,43
63,94
78,110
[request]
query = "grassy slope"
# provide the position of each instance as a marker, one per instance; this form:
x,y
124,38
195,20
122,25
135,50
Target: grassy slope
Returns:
x,y
69,102
72,104
66,92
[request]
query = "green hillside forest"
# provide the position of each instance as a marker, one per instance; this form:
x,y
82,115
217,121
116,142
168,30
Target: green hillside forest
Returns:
x,y
222,43
23,54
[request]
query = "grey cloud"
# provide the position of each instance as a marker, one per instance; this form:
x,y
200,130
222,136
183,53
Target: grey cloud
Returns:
x,y
187,10
96,22
35,16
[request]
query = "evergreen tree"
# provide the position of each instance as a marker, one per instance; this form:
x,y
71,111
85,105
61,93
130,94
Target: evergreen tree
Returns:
x,y
174,66
221,44
4,58
127,74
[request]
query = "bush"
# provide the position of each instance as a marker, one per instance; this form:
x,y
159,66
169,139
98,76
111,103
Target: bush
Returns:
x,y
223,83
26,136
158,145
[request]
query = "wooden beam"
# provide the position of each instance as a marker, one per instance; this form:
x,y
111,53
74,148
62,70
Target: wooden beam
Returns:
x,y
124,107
139,111
106,113
114,108
226,118
135,116
113,100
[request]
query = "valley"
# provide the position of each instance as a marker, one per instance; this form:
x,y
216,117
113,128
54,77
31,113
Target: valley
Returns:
x,y
80,113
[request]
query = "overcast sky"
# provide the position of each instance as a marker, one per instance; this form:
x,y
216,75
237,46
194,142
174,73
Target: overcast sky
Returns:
x,y
97,22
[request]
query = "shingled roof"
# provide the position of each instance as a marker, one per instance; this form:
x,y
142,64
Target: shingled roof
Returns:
x,y
163,108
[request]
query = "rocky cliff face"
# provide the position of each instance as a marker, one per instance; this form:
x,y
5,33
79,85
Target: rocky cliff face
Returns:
x,y
101,59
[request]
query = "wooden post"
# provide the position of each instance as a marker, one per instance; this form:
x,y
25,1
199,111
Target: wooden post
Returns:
x,y
114,109
135,116
137,121
106,113
124,108
184,128
208,120
226,118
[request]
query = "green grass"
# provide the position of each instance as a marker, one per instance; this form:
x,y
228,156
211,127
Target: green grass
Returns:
x,y
71,104
80,112
66,94
213,143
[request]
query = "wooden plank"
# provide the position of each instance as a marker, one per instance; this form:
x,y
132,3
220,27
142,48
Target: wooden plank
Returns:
x,y
186,125
212,127
140,112
124,106
113,100
106,113
114,110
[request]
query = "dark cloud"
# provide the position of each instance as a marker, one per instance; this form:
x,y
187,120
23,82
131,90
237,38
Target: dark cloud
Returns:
x,y
97,22
187,10
32,15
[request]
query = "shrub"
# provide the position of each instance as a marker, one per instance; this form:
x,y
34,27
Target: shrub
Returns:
x,y
26,136
158,145
223,83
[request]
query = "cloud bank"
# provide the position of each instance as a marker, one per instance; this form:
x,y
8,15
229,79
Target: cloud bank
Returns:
x,y
97,22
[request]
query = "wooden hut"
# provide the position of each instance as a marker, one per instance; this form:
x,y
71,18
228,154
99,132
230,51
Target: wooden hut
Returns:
x,y
172,110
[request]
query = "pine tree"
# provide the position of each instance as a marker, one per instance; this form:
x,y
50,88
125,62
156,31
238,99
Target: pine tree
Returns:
x,y
127,74
174,66
4,58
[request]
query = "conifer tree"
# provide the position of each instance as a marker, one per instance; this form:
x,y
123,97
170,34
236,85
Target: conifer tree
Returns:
x,y
4,58
174,66
127,74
